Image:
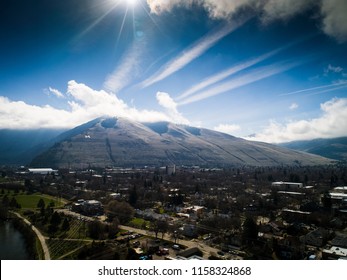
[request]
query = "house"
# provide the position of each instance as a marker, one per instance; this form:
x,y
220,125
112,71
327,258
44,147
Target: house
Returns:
x,y
295,215
189,230
317,237
92,207
340,241
190,252
88,207
334,253
196,211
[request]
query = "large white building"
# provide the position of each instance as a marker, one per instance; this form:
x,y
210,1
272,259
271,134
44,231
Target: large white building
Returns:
x,y
287,185
42,171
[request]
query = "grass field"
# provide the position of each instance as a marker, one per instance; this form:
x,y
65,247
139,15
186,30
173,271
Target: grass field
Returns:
x,y
29,201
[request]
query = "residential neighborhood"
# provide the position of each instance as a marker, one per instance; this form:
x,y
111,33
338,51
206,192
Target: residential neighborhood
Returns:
x,y
182,212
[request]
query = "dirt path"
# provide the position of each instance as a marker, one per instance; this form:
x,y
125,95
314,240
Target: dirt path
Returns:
x,y
41,238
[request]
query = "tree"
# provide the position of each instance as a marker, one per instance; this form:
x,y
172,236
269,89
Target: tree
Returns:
x,y
95,229
249,231
55,219
41,204
66,225
54,222
326,200
113,228
163,227
133,197
120,209
5,201
155,228
14,203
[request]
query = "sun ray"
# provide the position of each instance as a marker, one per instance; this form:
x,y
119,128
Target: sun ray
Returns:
x,y
122,26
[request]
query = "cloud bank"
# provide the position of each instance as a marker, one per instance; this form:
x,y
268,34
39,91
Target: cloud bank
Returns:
x,y
227,128
331,14
84,104
332,123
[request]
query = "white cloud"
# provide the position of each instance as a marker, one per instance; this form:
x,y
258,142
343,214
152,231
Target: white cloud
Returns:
x,y
165,100
191,53
293,106
227,128
55,92
85,104
331,123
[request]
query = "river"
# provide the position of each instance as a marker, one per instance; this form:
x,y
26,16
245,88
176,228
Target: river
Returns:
x,y
12,243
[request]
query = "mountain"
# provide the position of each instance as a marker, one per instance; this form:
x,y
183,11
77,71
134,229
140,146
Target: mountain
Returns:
x,y
120,142
18,147
334,148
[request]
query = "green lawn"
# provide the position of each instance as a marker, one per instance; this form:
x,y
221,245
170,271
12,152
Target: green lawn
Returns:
x,y
138,222
30,201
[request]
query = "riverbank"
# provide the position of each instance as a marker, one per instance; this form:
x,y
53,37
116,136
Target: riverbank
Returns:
x,y
33,249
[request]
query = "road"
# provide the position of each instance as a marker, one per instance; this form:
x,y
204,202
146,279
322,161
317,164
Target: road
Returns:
x,y
41,238
207,250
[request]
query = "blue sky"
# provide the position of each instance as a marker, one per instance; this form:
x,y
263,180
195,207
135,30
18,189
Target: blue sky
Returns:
x,y
266,70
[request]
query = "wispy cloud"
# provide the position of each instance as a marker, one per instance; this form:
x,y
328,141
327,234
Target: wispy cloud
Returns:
x,y
318,89
334,69
55,92
224,74
328,90
251,77
128,68
192,52
332,123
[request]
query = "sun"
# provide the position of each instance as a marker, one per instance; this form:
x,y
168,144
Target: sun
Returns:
x,y
131,2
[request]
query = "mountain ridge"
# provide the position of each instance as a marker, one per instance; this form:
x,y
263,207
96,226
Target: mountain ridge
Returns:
x,y
121,142
334,148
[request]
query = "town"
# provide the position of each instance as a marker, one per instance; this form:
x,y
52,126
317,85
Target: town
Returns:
x,y
180,212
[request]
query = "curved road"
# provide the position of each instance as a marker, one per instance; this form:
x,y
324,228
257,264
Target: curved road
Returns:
x,y
42,238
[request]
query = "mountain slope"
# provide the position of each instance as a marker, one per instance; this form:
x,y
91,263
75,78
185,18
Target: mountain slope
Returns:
x,y
20,146
334,148
120,142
